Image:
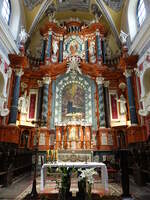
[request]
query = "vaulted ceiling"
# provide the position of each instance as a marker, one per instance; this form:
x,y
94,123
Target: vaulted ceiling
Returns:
x,y
107,12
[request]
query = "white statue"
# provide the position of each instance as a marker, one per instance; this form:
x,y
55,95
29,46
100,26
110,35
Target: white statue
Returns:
x,y
123,37
23,35
55,46
122,101
92,48
23,103
3,111
73,65
146,105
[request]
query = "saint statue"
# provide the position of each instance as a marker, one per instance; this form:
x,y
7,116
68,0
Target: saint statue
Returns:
x,y
3,111
92,48
122,101
55,47
23,103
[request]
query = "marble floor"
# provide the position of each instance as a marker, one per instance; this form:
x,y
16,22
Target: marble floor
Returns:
x,y
20,188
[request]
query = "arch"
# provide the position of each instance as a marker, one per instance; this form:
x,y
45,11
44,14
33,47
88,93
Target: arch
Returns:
x,y
15,18
2,83
110,20
132,18
146,78
38,16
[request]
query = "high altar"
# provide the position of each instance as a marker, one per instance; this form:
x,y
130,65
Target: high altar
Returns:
x,y
76,96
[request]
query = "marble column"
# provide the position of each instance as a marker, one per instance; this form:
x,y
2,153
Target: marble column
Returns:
x,y
39,103
102,122
86,51
15,98
99,49
133,115
61,50
46,82
49,45
43,50
103,51
107,103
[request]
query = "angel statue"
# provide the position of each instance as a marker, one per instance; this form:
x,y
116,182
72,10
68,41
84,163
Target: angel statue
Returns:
x,y
23,35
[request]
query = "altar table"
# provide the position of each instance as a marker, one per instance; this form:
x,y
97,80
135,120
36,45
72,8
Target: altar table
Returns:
x,y
104,173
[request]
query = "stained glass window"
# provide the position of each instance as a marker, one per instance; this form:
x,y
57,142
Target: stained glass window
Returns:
x,y
141,12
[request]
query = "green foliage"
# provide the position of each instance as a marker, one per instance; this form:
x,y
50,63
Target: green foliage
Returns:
x,y
64,185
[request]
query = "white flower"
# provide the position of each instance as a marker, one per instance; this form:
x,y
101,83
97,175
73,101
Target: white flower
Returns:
x,y
88,174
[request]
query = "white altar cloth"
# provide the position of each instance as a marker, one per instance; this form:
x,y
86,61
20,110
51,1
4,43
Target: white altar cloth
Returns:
x,y
104,173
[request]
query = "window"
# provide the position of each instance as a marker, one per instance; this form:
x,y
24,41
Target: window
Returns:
x,y
141,12
6,10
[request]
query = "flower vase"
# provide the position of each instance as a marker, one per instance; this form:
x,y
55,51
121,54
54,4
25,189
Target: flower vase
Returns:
x,y
82,188
89,191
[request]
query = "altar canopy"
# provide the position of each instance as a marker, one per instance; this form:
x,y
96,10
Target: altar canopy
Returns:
x,y
77,165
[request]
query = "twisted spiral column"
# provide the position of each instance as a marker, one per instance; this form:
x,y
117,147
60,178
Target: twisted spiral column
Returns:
x,y
39,103
107,103
86,51
99,49
102,122
61,50
46,82
49,45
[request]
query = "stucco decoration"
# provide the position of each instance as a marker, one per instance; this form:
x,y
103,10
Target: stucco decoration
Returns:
x,y
114,4
32,3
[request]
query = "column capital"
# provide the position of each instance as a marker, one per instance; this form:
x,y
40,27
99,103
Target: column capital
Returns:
x,y
61,38
138,72
97,32
99,80
106,83
128,73
19,72
40,83
50,32
46,80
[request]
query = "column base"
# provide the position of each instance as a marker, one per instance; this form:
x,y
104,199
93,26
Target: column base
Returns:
x,y
128,198
12,124
134,124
